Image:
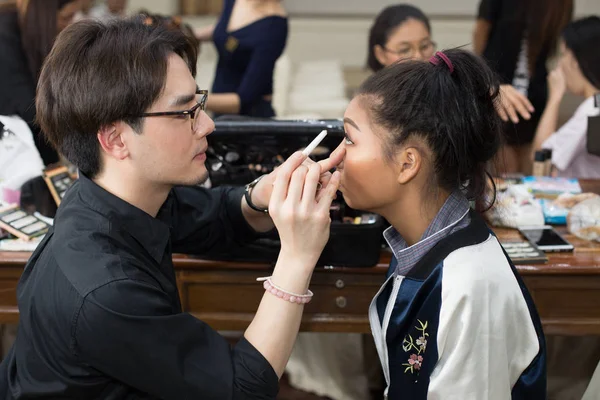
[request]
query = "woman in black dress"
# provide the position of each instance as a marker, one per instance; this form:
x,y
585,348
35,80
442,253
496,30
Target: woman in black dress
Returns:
x,y
249,37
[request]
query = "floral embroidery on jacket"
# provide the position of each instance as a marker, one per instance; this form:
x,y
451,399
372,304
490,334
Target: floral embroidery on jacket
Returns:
x,y
416,348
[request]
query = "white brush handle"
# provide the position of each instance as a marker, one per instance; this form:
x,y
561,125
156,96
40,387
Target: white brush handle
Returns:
x,y
309,149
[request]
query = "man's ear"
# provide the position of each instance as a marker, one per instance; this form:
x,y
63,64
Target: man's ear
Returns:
x,y
111,140
410,162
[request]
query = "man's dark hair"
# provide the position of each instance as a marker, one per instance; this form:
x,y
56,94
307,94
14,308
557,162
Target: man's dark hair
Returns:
x,y
99,73
385,24
454,113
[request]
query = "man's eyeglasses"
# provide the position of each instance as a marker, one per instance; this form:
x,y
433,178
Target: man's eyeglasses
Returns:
x,y
426,49
191,113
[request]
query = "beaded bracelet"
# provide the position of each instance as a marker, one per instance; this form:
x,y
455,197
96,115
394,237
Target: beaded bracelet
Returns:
x,y
284,294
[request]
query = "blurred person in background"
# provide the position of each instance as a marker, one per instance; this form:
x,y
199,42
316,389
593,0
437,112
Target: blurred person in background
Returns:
x,y
577,72
399,32
517,37
249,37
27,33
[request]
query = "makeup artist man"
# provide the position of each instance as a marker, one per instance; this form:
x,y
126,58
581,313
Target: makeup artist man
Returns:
x,y
100,315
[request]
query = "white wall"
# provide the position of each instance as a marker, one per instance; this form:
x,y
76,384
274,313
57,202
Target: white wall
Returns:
x,y
363,7
166,7
345,39
430,7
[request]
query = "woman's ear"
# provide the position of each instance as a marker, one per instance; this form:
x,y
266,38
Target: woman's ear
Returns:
x,y
410,162
380,54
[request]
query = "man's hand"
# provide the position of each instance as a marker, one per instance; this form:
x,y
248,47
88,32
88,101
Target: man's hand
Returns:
x,y
261,194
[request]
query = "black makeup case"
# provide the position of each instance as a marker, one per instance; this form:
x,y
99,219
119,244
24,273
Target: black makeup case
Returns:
x,y
242,149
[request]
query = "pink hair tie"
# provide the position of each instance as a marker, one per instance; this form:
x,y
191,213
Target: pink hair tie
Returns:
x,y
284,294
435,60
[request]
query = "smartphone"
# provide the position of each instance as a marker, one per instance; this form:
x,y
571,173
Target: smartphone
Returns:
x,y
546,238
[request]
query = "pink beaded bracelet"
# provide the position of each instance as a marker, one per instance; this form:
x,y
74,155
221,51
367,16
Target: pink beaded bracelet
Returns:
x,y
284,294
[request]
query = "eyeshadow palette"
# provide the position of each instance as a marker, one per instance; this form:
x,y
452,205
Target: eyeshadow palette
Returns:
x,y
58,181
21,224
524,252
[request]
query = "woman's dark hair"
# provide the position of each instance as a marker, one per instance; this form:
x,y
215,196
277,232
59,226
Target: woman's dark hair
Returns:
x,y
454,113
385,23
38,25
582,38
99,73
545,21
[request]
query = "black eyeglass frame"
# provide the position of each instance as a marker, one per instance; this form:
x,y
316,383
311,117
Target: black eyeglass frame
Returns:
x,y
191,112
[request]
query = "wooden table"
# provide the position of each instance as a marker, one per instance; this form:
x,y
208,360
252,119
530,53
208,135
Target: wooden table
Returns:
x,y
566,290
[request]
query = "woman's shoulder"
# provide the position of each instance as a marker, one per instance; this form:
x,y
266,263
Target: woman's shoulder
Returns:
x,y
485,264
271,31
578,122
587,108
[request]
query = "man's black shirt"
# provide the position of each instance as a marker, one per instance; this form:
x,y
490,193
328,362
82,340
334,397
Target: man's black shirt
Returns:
x,y
100,314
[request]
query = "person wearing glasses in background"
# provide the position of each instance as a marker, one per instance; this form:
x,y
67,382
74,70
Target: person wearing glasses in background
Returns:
x,y
400,32
99,308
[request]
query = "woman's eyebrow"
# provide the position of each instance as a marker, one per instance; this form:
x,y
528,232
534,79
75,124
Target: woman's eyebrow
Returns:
x,y
350,122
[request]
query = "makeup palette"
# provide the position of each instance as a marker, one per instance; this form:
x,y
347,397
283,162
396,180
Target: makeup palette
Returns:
x,y
21,224
524,252
58,181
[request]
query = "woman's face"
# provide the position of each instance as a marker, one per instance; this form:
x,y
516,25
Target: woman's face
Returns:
x,y
410,40
368,180
65,15
573,76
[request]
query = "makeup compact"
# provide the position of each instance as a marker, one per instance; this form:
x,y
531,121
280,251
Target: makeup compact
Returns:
x,y
524,252
58,181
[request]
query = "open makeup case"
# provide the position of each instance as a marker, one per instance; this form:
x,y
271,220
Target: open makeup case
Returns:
x,y
242,149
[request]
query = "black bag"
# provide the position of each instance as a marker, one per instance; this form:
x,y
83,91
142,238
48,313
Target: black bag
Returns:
x,y
35,196
593,132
